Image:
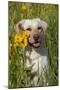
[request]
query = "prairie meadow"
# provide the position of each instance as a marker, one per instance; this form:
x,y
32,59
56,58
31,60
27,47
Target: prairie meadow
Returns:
x,y
17,71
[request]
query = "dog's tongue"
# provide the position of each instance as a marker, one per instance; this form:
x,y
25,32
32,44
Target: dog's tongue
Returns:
x,y
36,45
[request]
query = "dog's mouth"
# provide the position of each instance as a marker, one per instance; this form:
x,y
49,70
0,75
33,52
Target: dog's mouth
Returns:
x,y
34,40
35,44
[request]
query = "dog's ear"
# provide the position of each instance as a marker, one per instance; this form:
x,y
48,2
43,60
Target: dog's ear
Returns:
x,y
43,24
19,26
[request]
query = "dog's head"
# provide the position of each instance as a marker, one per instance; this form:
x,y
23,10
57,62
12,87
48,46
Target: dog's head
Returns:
x,y
35,27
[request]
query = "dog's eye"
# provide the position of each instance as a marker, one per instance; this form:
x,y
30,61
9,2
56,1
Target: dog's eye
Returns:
x,y
29,29
39,28
19,25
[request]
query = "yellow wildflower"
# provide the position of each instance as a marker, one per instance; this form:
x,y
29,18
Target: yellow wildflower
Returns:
x,y
18,38
26,34
24,7
25,43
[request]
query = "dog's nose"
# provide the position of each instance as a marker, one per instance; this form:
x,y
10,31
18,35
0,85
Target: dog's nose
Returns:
x,y
36,36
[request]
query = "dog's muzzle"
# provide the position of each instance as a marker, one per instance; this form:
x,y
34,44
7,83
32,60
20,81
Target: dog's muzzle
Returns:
x,y
34,41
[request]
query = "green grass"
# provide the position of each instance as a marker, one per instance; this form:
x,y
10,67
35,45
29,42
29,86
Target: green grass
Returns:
x,y
17,71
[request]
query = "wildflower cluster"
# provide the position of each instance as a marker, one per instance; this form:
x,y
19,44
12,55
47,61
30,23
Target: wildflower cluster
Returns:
x,y
21,39
24,8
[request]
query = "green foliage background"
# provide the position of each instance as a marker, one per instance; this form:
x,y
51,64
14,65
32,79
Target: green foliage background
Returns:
x,y
47,12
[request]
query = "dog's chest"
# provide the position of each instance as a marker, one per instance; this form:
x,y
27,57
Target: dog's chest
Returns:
x,y
37,58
